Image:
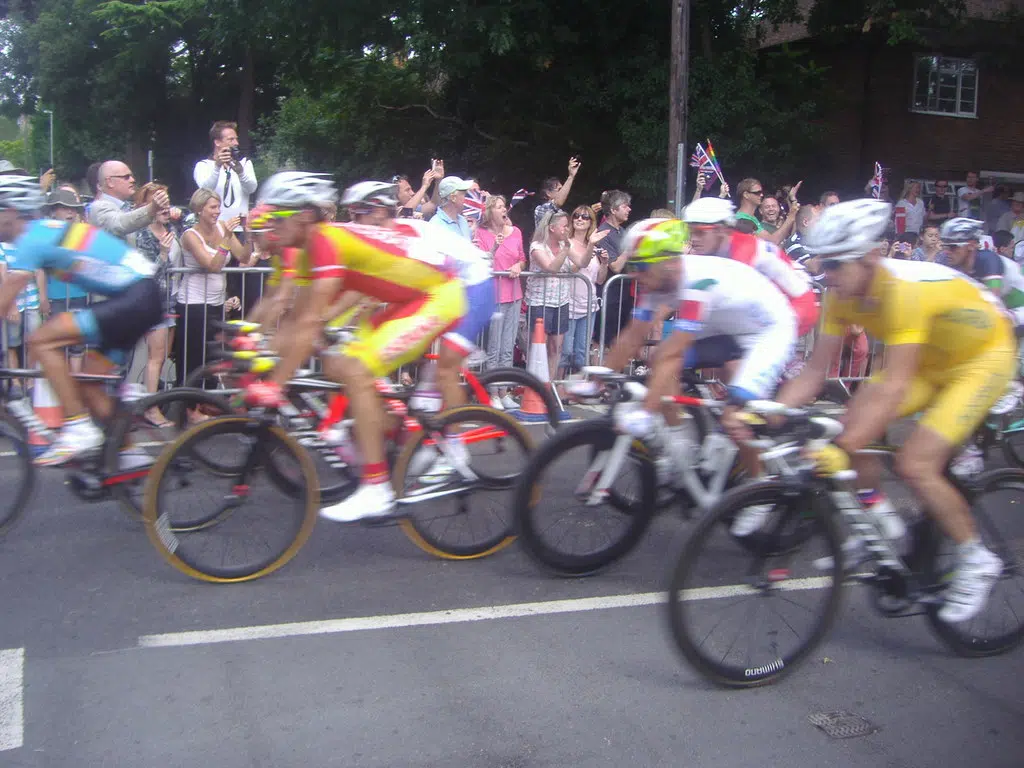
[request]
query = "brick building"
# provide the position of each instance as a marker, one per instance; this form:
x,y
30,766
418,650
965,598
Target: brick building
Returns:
x,y
924,111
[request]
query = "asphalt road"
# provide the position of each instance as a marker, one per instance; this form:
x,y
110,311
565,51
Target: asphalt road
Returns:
x,y
103,679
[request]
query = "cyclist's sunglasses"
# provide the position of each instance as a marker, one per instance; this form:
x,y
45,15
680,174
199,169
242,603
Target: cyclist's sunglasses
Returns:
x,y
831,265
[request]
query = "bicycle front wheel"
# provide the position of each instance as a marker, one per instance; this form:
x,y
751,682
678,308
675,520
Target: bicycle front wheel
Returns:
x,y
563,525
997,507
238,527
456,519
17,472
744,618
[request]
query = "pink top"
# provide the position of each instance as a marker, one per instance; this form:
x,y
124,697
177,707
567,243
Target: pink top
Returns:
x,y
508,253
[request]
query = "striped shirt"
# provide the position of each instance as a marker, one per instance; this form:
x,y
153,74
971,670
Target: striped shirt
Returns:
x,y
29,297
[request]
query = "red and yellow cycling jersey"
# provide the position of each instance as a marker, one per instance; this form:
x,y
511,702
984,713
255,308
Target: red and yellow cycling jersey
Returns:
x,y
394,264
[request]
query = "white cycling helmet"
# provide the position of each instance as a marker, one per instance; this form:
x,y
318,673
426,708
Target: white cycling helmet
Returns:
x,y
298,189
960,231
709,210
373,194
848,230
22,193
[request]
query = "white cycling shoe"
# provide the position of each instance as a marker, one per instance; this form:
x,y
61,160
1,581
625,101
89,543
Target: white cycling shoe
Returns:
x,y
371,501
977,572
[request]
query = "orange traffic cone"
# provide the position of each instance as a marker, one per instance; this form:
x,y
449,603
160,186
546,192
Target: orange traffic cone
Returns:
x,y
533,408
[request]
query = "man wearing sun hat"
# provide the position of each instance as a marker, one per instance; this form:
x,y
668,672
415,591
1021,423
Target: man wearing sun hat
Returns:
x,y
452,193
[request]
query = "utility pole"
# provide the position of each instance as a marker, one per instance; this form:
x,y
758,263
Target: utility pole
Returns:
x,y
678,100
50,113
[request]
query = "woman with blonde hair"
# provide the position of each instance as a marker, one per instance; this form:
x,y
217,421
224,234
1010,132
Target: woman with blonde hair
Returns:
x,y
547,298
503,241
206,247
159,243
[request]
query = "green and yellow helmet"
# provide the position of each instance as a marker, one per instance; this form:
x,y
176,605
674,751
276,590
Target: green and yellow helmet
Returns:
x,y
653,240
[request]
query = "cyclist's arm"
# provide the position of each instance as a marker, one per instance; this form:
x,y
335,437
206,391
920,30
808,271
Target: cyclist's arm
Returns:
x,y
877,402
667,365
306,329
345,302
269,309
802,389
13,284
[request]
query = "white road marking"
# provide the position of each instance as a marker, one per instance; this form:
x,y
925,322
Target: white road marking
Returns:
x,y
12,714
454,616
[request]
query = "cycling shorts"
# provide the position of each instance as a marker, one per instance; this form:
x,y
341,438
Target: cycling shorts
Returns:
x,y
118,323
403,331
955,401
763,358
481,301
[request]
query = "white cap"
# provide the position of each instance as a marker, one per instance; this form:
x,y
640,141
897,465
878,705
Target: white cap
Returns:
x,y
709,210
452,184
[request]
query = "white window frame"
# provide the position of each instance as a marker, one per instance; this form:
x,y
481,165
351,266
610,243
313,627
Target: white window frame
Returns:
x,y
958,113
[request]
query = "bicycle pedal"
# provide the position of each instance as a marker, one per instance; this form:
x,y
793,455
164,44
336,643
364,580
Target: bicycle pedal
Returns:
x,y
387,521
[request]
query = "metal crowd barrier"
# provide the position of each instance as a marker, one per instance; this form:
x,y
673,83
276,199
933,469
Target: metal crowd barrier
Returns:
x,y
859,357
193,330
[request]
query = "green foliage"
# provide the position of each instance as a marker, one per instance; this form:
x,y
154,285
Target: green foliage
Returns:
x,y
14,150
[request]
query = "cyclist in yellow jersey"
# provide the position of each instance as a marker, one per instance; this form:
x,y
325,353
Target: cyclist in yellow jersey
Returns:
x,y
950,354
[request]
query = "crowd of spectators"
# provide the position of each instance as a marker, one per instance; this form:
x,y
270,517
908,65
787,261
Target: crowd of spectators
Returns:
x,y
200,254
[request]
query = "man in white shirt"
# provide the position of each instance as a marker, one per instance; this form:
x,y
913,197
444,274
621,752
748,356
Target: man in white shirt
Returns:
x,y
228,174
232,177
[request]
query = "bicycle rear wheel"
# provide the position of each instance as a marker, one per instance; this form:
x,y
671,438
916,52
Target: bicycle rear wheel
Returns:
x,y
133,443
997,506
585,537
715,575
17,472
529,389
461,521
242,506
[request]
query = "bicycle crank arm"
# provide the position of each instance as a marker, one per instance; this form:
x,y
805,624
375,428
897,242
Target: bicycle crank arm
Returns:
x,y
461,489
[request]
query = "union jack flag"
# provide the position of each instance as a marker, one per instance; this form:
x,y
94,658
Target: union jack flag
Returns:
x,y
518,197
473,206
877,180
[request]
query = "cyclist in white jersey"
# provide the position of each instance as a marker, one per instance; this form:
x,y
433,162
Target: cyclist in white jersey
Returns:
x,y
715,302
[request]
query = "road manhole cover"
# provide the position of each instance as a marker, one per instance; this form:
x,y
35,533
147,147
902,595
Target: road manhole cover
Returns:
x,y
842,725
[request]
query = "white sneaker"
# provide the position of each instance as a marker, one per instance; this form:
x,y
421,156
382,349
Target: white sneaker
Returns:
x,y
750,519
970,462
1009,400
372,500
975,575
77,438
509,404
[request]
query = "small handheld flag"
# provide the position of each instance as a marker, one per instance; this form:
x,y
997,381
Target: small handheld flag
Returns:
x,y
518,197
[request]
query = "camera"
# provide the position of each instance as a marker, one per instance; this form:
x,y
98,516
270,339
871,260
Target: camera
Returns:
x,y
236,154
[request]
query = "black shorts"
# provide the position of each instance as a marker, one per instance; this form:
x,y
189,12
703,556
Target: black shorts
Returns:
x,y
119,322
556,319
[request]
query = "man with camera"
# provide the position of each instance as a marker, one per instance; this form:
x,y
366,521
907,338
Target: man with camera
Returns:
x,y
228,173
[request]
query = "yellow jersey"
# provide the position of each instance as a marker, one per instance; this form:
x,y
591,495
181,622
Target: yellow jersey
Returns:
x,y
954,318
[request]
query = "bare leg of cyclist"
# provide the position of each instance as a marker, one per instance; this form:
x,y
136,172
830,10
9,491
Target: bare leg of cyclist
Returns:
x,y
79,434
921,464
374,497
449,360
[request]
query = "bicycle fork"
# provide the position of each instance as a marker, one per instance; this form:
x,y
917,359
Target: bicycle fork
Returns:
x,y
603,470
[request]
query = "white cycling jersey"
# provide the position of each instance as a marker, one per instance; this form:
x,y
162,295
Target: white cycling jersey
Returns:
x,y
719,297
771,261
722,297
471,263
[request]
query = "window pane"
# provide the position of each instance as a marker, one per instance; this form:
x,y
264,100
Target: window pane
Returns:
x,y
945,85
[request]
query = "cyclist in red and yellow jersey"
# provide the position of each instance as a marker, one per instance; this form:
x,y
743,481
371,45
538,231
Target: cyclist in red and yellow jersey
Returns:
x,y
408,269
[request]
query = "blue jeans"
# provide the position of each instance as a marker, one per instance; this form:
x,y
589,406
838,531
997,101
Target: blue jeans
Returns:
x,y
574,345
